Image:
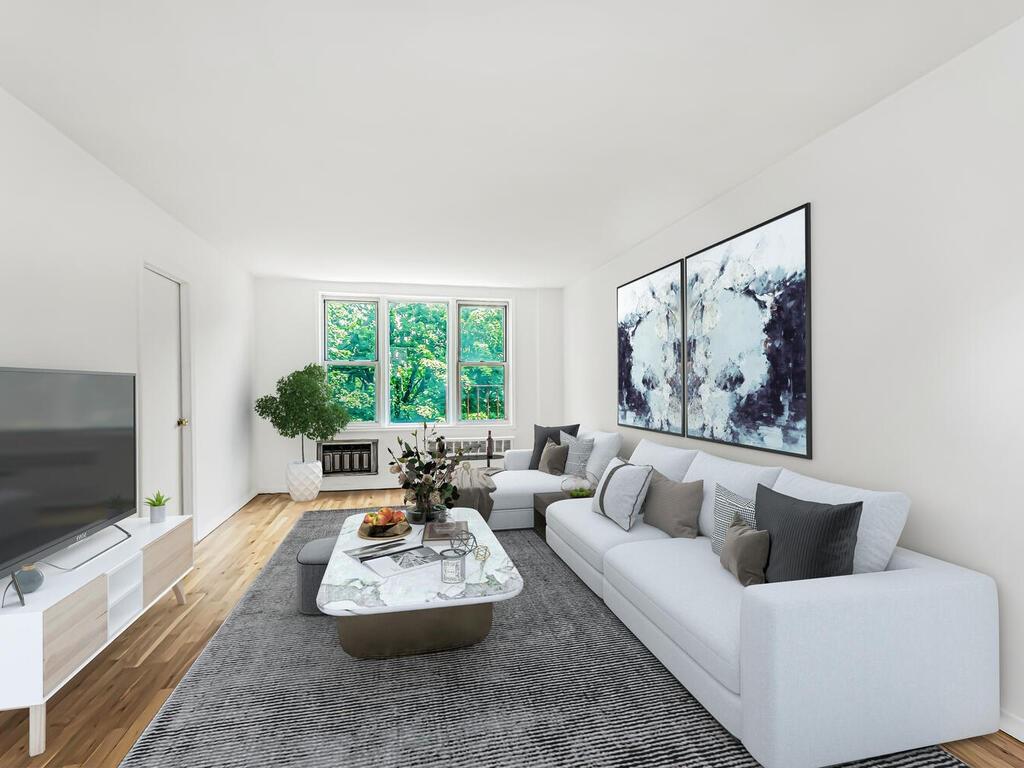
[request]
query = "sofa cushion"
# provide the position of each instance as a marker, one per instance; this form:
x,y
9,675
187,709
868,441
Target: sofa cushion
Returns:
x,y
881,520
580,449
606,448
740,478
591,535
728,507
673,507
541,436
514,490
620,494
681,587
807,539
552,460
671,462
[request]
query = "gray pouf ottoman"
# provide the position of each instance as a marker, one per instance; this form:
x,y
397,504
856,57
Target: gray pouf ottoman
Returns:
x,y
312,559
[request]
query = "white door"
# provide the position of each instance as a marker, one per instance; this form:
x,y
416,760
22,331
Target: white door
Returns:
x,y
160,396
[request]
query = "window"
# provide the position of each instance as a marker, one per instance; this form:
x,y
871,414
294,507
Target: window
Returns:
x,y
398,361
482,362
418,345
350,354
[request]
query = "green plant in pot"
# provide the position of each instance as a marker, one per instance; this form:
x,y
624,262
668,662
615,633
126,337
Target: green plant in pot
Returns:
x,y
157,504
303,408
426,474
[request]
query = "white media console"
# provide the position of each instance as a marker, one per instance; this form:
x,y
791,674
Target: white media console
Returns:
x,y
75,614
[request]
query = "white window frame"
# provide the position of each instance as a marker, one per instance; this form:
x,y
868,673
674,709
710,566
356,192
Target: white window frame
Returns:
x,y
325,300
459,364
453,405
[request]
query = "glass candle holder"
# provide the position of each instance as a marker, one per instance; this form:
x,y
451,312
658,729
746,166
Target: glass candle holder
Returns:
x,y
453,566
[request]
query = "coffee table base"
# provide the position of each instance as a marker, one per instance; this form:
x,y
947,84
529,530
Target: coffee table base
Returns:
x,y
406,633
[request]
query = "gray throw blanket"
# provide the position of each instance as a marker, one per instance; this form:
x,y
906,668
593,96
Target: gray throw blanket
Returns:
x,y
475,486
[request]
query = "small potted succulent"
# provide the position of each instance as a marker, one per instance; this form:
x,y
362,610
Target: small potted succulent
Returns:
x,y
157,504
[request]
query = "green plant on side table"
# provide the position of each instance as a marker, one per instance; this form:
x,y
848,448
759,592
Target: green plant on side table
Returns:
x,y
303,408
157,504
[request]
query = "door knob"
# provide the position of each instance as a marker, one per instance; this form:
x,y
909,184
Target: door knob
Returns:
x,y
183,422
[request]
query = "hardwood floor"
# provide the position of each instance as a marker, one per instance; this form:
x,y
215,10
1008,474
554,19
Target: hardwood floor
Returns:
x,y
95,719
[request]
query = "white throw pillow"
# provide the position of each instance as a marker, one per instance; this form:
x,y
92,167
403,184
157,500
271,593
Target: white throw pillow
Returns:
x,y
621,492
881,520
580,449
606,448
738,477
671,462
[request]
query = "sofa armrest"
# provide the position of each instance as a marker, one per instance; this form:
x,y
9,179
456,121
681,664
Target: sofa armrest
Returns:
x,y
518,458
844,668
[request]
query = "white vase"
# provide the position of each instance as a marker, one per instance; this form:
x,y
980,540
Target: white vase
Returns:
x,y
158,514
304,478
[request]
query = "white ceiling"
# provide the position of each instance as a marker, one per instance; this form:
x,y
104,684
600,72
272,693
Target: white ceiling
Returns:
x,y
458,141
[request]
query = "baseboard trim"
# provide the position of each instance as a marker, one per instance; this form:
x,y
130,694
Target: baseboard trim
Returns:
x,y
235,508
1011,724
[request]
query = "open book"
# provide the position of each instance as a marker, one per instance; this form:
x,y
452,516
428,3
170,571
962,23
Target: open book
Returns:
x,y
402,562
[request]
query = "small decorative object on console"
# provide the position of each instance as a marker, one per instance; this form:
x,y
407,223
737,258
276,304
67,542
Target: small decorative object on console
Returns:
x,y
157,504
426,474
30,578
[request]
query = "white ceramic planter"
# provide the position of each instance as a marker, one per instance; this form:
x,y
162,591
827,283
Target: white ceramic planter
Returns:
x,y
304,479
158,514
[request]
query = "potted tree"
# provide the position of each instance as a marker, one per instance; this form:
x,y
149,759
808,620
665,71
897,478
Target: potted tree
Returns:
x,y
303,408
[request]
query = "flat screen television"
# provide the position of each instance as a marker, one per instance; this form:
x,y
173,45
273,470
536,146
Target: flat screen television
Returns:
x,y
67,459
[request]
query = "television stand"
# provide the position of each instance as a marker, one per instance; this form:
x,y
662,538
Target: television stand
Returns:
x,y
78,612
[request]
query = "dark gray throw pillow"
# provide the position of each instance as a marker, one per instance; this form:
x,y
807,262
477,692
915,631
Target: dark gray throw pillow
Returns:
x,y
541,435
807,540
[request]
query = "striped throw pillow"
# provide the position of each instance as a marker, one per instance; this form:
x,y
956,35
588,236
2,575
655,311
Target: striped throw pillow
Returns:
x,y
621,492
729,506
580,449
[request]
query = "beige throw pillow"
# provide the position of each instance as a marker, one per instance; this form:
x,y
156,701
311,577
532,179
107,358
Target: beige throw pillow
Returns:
x,y
552,458
745,553
673,507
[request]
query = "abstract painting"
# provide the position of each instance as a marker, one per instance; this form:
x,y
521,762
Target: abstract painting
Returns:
x,y
650,351
748,338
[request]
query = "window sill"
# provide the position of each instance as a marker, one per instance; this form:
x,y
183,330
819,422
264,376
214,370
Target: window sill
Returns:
x,y
437,425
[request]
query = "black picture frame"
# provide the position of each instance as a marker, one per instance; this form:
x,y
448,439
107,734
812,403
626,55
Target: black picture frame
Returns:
x,y
808,452
681,364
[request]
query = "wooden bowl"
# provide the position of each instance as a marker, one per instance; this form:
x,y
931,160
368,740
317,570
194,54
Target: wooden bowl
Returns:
x,y
384,531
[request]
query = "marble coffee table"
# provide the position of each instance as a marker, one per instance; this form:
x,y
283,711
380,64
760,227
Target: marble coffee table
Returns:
x,y
415,612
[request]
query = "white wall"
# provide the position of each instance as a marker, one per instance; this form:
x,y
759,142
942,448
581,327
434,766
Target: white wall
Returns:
x,y
918,313
73,239
287,338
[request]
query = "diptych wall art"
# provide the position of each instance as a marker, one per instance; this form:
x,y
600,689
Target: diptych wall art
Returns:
x,y
650,335
747,326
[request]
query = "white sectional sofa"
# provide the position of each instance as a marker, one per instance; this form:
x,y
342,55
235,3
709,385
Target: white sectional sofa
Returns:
x,y
804,673
514,488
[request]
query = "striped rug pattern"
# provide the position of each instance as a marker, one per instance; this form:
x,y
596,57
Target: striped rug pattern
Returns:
x,y
559,682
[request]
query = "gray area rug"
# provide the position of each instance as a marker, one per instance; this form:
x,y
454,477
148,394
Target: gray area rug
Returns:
x,y
559,682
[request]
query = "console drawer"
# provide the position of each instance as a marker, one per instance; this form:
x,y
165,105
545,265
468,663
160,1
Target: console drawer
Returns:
x,y
73,630
165,560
